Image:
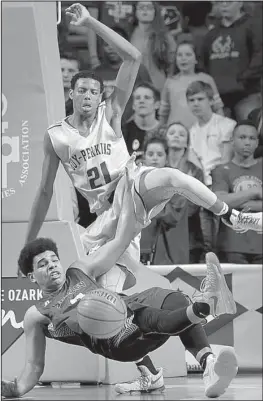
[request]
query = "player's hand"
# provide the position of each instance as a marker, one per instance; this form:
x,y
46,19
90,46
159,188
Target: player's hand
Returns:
x,y
78,14
9,389
129,172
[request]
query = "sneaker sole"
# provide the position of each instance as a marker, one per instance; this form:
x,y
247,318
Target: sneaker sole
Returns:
x,y
226,295
134,392
226,368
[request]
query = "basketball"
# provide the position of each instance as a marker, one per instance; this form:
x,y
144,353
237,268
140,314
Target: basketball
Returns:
x,y
101,313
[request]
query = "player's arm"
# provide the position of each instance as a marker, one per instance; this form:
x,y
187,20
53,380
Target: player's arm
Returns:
x,y
106,257
45,190
130,55
35,355
253,205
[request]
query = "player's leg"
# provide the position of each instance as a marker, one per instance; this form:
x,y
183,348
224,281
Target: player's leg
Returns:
x,y
216,299
159,185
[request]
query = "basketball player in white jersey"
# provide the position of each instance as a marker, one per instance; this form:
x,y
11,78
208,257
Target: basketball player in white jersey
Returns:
x,y
90,146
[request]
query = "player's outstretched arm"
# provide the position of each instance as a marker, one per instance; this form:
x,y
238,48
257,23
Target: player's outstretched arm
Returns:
x,y
35,356
102,260
45,191
130,55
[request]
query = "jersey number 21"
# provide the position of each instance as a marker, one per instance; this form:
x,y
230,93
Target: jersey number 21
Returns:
x,y
98,176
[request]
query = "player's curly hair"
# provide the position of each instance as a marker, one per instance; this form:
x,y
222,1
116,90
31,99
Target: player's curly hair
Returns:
x,y
87,74
32,249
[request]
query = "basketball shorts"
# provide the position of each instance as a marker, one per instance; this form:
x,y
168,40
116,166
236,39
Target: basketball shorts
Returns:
x,y
104,227
131,344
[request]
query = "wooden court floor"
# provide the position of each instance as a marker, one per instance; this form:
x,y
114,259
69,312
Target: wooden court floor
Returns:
x,y
243,387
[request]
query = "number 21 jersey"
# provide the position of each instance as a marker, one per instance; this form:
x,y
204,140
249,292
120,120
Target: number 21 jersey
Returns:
x,y
93,163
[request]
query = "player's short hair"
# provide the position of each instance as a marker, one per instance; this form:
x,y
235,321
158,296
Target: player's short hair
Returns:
x,y
199,86
149,85
87,74
245,123
32,249
155,138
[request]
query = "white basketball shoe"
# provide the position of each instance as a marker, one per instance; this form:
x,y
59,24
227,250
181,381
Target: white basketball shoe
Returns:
x,y
214,290
219,372
146,383
242,221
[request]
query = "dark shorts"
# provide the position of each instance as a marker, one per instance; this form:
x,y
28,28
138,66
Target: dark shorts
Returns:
x,y
137,344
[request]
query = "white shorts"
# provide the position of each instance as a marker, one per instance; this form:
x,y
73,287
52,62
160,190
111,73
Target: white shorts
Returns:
x,y
104,227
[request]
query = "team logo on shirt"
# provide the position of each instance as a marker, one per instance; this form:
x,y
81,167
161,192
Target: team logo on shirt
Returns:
x,y
246,182
17,295
223,47
15,150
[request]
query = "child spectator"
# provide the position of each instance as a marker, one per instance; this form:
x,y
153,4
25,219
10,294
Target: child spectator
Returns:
x,y
232,55
239,183
153,39
173,97
145,103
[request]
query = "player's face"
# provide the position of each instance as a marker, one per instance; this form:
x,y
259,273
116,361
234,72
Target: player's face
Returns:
x,y
245,140
185,58
229,9
177,136
86,96
145,11
144,102
199,104
68,69
47,271
155,155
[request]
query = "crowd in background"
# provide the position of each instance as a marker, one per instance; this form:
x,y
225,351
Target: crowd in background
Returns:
x,y
196,106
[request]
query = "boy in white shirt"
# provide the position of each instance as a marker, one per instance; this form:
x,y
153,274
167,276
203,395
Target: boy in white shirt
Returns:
x,y
211,135
211,138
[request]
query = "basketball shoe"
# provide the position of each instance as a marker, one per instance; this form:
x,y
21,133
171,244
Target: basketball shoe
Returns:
x,y
146,383
242,221
214,290
219,372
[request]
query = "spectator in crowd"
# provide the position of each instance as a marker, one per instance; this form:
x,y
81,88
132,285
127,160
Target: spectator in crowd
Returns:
x,y
256,117
239,183
153,40
211,135
232,55
69,64
183,157
173,100
166,240
194,23
109,68
145,103
211,138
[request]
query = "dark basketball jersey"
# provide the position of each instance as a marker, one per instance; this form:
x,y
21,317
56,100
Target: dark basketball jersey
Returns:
x,y
61,308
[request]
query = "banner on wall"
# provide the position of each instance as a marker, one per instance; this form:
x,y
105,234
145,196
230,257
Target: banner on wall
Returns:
x,y
24,104
17,296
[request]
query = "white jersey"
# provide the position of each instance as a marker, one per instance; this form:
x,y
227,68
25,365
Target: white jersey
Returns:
x,y
93,163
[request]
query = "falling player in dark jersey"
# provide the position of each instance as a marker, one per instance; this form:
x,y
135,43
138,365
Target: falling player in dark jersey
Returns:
x,y
153,315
